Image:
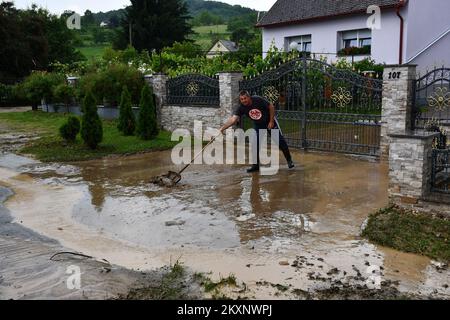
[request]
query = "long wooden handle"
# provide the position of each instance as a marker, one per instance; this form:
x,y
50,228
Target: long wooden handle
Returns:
x,y
199,154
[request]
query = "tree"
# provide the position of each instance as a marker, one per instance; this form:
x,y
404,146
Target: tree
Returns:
x,y
32,39
242,28
99,35
88,19
147,123
127,121
23,43
154,24
207,19
64,93
186,49
40,85
91,125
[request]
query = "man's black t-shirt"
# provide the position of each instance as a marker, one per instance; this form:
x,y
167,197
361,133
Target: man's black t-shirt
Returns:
x,y
258,112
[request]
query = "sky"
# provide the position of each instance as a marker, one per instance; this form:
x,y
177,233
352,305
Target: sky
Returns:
x,y
80,6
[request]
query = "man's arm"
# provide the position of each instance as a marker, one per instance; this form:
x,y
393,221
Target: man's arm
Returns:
x,y
272,117
231,122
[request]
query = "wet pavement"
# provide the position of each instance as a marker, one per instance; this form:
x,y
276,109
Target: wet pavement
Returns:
x,y
298,230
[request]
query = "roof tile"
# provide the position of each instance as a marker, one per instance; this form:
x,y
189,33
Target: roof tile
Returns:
x,y
285,11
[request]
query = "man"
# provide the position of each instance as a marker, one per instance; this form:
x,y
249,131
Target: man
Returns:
x,y
262,113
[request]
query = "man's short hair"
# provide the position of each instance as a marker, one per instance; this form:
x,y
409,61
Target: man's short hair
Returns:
x,y
244,93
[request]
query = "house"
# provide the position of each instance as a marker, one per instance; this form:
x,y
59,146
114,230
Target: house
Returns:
x,y
221,47
104,24
409,31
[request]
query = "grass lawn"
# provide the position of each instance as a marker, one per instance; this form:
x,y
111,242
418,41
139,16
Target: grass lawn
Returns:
x,y
93,52
220,28
410,232
50,147
205,34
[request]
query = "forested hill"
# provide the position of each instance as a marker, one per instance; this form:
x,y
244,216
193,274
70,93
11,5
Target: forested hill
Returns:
x,y
196,7
224,10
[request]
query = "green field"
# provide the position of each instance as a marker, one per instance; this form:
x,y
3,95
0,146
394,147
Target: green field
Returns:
x,y
204,35
220,29
93,52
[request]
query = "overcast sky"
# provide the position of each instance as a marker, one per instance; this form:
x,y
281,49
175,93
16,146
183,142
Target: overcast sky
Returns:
x,y
58,6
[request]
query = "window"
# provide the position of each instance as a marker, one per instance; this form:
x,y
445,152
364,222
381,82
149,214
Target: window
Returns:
x,y
365,42
356,38
348,43
304,43
307,46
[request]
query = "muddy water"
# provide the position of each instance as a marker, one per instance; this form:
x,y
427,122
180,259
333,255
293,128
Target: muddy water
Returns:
x,y
298,228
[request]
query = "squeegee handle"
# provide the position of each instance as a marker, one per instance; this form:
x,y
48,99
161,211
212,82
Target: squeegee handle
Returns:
x,y
199,154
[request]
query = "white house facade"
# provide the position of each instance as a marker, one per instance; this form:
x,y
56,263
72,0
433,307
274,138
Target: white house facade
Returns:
x,y
411,31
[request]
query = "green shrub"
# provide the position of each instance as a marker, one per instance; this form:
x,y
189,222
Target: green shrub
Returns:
x,y
91,125
70,129
369,65
147,123
127,121
107,85
40,85
63,93
88,83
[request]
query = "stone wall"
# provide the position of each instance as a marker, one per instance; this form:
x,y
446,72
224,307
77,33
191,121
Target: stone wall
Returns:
x,y
173,117
410,167
178,117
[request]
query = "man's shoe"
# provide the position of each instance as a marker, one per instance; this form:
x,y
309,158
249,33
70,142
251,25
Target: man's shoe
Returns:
x,y
254,168
291,164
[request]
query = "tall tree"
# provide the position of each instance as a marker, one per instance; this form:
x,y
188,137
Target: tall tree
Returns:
x,y
88,19
154,24
91,125
147,127
31,40
127,121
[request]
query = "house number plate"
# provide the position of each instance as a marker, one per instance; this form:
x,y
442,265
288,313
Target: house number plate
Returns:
x,y
394,75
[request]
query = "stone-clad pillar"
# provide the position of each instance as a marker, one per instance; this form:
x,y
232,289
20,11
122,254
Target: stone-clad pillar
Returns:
x,y
229,93
398,91
410,166
158,83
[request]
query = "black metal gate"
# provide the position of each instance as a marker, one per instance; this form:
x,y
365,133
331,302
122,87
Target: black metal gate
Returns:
x,y
431,112
322,107
432,100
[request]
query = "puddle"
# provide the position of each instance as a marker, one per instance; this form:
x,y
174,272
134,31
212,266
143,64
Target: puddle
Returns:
x,y
220,219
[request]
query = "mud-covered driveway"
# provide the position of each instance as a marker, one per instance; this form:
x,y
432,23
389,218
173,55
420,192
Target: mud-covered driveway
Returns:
x,y
281,235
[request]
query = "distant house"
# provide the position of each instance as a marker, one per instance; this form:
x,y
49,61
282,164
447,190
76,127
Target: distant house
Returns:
x,y
221,47
412,31
104,24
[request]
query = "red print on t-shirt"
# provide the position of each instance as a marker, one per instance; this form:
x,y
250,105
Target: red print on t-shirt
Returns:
x,y
255,114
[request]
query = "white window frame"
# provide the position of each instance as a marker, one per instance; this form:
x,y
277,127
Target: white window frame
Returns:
x,y
361,34
302,41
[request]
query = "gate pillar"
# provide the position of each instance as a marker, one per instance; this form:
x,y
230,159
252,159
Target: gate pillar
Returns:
x,y
397,106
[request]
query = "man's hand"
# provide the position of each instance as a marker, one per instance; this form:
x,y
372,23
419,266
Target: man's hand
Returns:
x,y
231,122
271,125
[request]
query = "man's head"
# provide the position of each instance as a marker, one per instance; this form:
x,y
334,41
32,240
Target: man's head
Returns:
x,y
245,98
